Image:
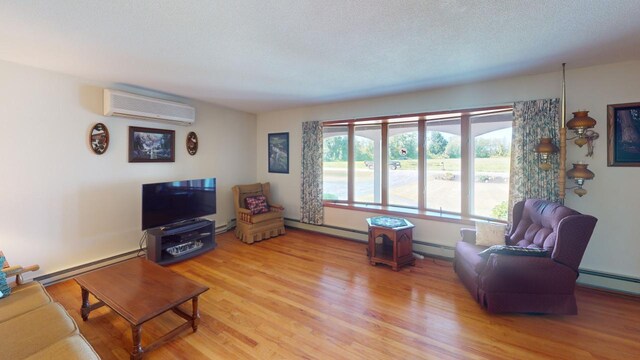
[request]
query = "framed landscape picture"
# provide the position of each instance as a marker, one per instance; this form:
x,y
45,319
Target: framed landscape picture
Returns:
x,y
279,153
623,134
151,145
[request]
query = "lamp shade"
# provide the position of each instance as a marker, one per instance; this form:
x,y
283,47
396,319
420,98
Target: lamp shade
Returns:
x,y
581,121
546,146
580,171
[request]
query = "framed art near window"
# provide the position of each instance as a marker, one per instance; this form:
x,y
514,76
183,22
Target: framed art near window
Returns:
x,y
151,145
623,134
279,153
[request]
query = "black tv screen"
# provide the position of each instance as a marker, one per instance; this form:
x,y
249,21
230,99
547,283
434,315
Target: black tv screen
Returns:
x,y
171,202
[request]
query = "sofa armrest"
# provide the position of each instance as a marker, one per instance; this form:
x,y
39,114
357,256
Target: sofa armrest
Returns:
x,y
526,274
468,235
17,271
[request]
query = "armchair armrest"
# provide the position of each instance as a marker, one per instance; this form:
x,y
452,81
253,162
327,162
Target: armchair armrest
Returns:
x,y
244,215
526,274
468,235
277,207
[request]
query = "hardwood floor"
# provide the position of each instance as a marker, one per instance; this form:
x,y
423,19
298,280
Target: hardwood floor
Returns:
x,y
310,296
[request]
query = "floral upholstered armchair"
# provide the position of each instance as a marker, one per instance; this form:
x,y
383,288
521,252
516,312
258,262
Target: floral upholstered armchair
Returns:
x,y
257,217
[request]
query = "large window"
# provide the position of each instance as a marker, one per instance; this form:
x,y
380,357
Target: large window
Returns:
x,y
491,151
446,163
443,153
403,164
334,169
367,175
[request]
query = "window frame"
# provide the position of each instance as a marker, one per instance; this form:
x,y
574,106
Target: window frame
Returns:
x,y
422,120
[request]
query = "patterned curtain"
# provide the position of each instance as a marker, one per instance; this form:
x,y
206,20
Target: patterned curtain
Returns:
x,y
311,210
531,121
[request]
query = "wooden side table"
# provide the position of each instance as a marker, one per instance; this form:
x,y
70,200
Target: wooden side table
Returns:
x,y
396,247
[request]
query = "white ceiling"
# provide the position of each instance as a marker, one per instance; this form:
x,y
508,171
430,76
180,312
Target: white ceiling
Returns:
x,y
261,55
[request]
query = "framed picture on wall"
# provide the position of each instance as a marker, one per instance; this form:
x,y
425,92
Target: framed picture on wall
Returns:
x,y
623,134
279,153
151,145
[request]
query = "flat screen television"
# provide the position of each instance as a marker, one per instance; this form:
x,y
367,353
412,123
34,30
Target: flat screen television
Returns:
x,y
171,202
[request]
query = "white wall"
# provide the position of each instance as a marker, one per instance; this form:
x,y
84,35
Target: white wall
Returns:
x,y
613,195
62,205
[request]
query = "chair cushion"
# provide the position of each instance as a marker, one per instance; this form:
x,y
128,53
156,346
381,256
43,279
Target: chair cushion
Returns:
x,y
538,224
488,234
271,215
257,204
514,250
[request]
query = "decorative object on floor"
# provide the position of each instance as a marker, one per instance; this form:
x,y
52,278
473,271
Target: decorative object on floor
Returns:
x,y
507,283
192,143
252,227
99,138
129,297
151,145
580,173
279,153
623,134
390,241
545,149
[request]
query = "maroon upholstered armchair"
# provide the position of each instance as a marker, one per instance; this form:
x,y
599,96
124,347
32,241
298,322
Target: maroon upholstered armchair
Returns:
x,y
508,283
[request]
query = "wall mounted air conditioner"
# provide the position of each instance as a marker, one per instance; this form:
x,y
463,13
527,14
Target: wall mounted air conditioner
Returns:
x,y
120,103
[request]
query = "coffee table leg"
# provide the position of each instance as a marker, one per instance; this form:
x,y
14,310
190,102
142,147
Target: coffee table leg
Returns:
x,y
86,308
137,342
195,317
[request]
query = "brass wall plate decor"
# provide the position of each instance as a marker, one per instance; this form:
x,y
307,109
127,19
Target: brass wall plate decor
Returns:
x,y
99,138
192,143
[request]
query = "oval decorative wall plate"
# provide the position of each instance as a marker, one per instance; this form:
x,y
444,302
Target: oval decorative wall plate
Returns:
x,y
99,138
192,143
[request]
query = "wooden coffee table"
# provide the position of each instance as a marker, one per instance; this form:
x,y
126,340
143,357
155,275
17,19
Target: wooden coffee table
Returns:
x,y
139,290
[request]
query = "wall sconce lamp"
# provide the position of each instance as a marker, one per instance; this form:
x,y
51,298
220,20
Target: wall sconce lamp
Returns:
x,y
545,149
579,174
580,124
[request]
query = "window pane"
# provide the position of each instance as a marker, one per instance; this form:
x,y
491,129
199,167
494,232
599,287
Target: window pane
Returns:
x,y
334,168
403,164
491,135
367,178
443,154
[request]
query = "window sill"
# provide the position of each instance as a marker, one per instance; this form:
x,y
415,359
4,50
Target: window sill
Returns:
x,y
408,212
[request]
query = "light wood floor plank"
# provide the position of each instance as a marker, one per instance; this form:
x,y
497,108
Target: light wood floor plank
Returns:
x,y
311,296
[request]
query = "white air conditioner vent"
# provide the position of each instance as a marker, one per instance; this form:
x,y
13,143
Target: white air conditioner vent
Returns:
x,y
120,103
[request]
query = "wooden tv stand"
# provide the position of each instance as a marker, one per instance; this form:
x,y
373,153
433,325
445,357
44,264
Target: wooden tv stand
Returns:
x,y
184,240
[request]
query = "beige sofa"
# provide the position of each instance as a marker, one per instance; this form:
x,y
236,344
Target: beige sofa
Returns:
x,y
32,326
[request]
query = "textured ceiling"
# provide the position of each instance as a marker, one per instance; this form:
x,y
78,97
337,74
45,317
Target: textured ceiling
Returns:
x,y
257,55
